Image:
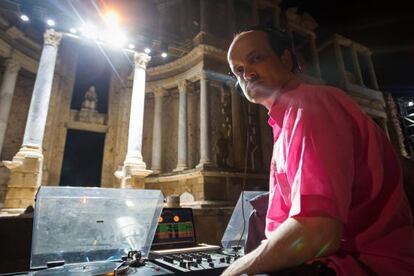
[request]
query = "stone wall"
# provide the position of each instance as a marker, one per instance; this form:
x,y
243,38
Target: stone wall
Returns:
x,y
18,115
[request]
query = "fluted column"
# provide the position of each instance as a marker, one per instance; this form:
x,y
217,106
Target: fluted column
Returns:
x,y
204,16
157,131
340,63
182,127
231,22
255,12
204,124
315,57
239,134
26,166
36,119
394,116
6,95
134,170
372,72
276,16
357,68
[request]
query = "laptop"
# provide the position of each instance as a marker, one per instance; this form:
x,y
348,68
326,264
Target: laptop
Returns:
x,y
176,233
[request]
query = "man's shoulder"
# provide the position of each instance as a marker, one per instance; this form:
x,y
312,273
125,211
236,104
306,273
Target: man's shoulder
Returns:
x,y
308,94
320,90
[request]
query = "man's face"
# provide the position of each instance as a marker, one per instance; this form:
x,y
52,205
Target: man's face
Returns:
x,y
259,71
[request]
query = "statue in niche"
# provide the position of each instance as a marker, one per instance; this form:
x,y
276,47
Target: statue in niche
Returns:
x,y
90,101
89,112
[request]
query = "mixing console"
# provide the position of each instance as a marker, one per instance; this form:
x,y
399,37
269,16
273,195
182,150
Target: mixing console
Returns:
x,y
196,262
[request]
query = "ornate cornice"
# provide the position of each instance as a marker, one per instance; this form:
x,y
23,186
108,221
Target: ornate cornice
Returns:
x,y
183,86
183,63
141,60
51,37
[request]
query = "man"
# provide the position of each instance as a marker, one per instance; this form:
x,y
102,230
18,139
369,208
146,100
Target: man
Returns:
x,y
336,191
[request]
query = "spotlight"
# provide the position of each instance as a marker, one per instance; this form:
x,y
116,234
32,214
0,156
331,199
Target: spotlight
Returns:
x,y
50,22
147,50
73,30
88,30
410,103
111,18
24,17
131,46
115,38
164,49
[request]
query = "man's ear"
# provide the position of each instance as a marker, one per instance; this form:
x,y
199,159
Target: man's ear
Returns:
x,y
287,60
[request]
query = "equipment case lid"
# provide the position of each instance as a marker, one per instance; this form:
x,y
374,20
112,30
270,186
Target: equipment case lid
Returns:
x,y
78,224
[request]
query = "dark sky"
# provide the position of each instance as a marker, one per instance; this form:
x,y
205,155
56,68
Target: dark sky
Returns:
x,y
386,27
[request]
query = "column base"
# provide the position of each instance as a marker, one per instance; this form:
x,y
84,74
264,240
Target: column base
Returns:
x,y
206,165
25,177
180,168
155,171
132,176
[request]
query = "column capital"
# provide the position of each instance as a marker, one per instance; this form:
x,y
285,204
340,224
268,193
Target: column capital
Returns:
x,y
159,91
204,75
12,66
51,37
141,60
183,86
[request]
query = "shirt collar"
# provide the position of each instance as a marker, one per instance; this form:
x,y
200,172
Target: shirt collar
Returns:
x,y
277,111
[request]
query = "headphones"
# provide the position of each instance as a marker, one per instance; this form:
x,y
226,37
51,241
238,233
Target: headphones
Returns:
x,y
279,40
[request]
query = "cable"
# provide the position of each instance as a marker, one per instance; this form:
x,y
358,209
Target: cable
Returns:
x,y
246,158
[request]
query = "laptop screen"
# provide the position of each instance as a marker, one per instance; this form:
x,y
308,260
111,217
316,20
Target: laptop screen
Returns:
x,y
175,229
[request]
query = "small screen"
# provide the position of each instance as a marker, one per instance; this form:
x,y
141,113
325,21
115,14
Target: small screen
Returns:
x,y
175,229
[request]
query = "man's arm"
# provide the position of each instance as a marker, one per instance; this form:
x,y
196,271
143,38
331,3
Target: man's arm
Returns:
x,y
295,241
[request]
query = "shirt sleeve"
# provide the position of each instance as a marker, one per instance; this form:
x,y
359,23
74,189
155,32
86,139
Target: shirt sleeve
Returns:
x,y
320,158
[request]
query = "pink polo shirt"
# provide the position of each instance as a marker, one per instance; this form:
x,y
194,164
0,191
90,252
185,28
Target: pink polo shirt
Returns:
x,y
330,159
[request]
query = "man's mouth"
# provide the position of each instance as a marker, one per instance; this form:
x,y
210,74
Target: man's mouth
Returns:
x,y
254,85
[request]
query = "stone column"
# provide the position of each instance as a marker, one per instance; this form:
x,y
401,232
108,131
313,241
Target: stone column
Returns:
x,y
157,131
182,127
204,16
394,116
205,160
315,57
276,16
340,63
162,9
239,133
6,95
372,72
357,68
255,12
26,166
231,22
134,170
184,17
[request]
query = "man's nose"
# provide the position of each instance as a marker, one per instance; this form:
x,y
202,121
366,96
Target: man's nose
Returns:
x,y
249,74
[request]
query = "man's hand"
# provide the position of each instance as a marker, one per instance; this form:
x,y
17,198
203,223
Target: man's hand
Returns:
x,y
294,242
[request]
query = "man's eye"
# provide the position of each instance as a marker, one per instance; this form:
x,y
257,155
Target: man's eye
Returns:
x,y
239,70
256,58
